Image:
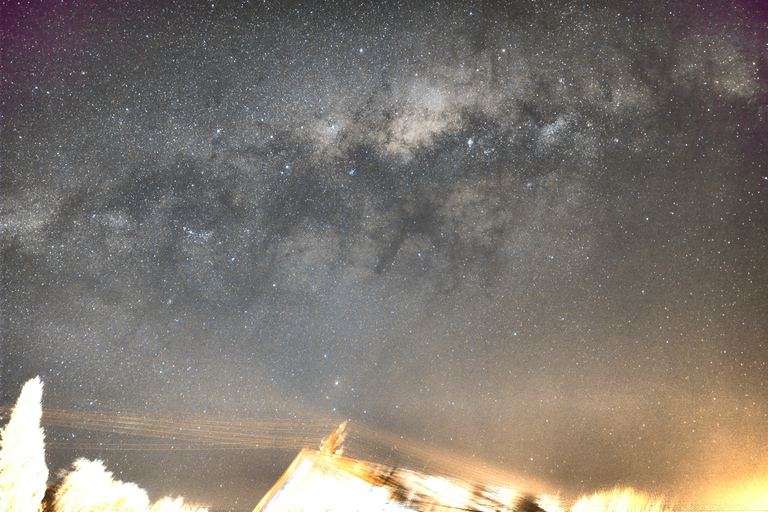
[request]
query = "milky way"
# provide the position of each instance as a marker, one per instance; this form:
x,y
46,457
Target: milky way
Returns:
x,y
530,234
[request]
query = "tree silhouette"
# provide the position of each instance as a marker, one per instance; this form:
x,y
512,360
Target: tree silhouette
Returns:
x,y
23,472
90,488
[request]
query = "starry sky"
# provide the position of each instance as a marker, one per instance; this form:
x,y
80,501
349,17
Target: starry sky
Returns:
x,y
532,234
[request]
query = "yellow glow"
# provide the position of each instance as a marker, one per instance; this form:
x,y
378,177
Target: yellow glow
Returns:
x,y
751,495
620,500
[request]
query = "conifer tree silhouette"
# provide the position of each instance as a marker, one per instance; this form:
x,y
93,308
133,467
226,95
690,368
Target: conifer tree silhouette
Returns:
x,y
23,471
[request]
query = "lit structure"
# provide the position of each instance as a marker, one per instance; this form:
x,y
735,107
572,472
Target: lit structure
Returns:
x,y
326,481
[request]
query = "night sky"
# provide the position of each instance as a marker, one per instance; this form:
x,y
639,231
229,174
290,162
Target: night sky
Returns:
x,y
530,234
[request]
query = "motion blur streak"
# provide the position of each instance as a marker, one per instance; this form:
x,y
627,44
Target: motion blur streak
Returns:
x,y
187,433
620,500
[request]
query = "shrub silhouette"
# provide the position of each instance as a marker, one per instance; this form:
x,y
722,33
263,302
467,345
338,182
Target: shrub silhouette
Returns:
x,y
90,487
620,500
23,472
169,504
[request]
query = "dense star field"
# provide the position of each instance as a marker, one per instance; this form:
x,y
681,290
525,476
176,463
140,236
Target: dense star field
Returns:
x,y
531,234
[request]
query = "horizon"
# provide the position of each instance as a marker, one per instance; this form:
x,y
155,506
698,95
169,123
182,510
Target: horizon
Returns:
x,y
365,445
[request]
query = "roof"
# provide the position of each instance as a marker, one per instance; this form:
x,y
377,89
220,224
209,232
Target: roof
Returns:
x,y
323,481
